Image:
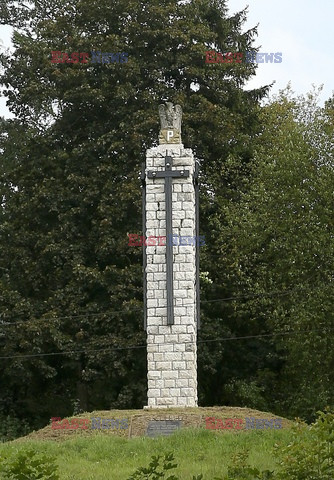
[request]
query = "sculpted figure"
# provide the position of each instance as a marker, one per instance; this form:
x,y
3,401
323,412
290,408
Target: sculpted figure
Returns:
x,y
170,123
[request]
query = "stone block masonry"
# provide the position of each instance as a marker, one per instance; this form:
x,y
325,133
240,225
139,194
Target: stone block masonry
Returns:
x,y
171,348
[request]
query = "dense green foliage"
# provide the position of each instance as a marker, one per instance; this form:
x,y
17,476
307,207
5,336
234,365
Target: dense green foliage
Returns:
x,y
12,427
71,191
281,233
310,454
27,464
71,312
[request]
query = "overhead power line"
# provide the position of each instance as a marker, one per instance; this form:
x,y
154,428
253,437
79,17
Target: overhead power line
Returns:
x,y
246,296
133,347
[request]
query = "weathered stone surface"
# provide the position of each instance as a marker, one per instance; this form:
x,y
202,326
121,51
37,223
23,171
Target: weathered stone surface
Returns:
x,y
172,354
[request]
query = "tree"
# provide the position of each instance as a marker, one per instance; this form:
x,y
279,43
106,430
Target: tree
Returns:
x,y
282,232
70,173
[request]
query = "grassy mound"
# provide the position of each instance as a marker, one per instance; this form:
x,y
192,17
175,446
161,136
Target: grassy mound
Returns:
x,y
191,418
105,454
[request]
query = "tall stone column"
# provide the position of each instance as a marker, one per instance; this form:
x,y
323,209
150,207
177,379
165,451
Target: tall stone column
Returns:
x,y
171,267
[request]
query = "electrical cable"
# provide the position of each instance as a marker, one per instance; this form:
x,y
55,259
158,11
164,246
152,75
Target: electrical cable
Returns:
x,y
133,347
112,312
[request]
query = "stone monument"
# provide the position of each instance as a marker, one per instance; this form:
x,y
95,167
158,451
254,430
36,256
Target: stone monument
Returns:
x,y
171,266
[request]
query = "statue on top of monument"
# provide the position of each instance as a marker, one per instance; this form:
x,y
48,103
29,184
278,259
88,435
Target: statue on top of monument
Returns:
x,y
170,123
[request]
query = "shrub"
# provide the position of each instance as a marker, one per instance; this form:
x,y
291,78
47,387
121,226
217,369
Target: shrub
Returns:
x,y
11,427
310,455
26,464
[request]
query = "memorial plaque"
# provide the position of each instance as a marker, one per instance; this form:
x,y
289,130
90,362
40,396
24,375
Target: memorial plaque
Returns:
x,y
156,428
155,424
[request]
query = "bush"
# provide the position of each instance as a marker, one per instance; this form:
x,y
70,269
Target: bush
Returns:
x,y
310,455
12,427
27,465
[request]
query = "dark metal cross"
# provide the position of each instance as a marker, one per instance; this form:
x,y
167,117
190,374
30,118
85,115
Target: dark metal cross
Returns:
x,y
168,174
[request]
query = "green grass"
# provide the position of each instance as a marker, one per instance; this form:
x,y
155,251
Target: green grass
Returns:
x,y
104,457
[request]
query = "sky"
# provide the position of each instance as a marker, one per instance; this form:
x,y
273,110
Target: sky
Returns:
x,y
303,30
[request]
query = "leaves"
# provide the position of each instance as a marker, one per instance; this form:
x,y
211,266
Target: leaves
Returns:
x,y
284,244
70,169
152,471
26,463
